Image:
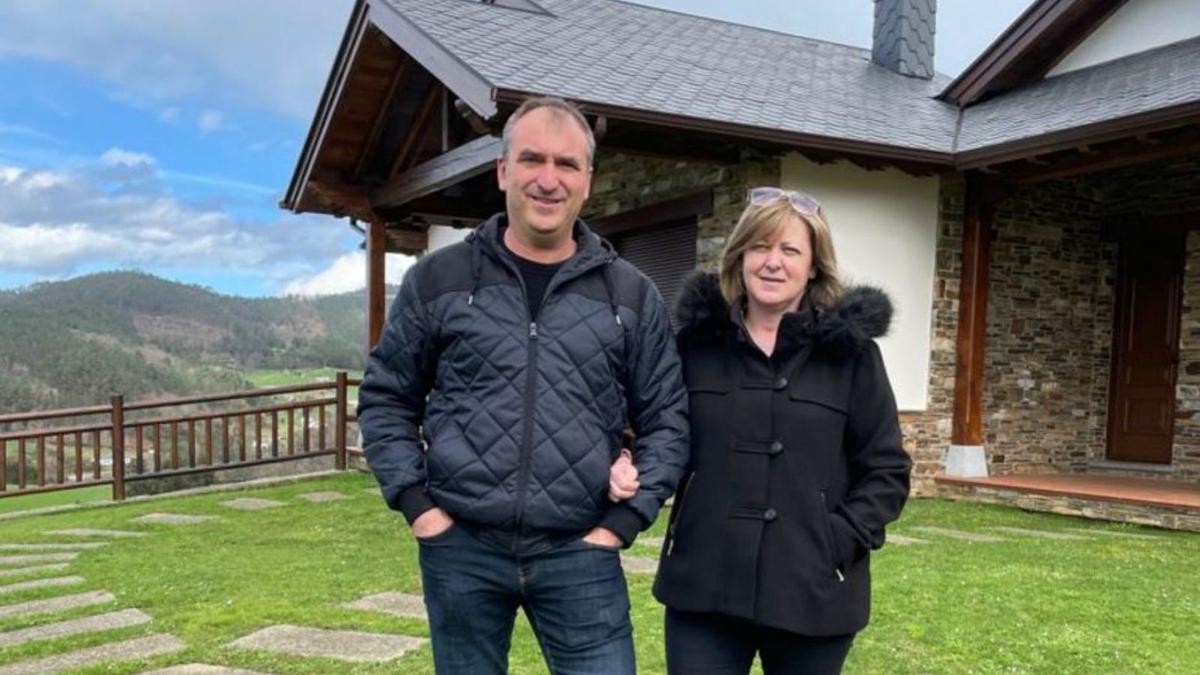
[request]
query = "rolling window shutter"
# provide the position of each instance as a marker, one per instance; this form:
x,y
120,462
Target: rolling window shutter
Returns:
x,y
665,253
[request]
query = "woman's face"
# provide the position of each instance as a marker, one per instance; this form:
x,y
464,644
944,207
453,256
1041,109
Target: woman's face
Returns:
x,y
775,273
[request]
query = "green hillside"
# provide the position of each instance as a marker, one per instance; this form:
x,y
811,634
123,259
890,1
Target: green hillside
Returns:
x,y
77,342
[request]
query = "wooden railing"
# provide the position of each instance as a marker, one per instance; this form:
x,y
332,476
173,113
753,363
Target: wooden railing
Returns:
x,y
157,439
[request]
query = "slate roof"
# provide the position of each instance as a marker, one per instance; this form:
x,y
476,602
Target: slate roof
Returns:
x,y
622,54
1151,80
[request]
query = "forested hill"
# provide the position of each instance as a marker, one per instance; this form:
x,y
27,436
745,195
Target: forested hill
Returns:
x,y
77,342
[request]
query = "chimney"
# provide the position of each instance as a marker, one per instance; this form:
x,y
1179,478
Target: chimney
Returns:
x,y
903,36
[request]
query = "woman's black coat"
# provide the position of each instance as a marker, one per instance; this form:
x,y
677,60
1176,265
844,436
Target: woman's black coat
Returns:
x,y
797,465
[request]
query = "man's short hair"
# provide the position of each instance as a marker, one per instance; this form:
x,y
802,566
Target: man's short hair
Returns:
x,y
554,103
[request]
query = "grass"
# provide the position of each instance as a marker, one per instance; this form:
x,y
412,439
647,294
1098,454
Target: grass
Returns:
x,y
96,493
1023,606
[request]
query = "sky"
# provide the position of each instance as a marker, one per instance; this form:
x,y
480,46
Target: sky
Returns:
x,y
159,135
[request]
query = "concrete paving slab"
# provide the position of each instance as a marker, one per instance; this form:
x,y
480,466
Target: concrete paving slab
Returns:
x,y
1042,534
173,519
126,650
35,558
88,624
318,497
252,504
635,564
973,537
48,582
343,645
396,604
901,540
57,604
201,669
1110,533
21,571
89,532
652,542
76,546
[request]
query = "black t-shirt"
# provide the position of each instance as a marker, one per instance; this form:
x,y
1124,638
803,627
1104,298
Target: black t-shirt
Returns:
x,y
537,276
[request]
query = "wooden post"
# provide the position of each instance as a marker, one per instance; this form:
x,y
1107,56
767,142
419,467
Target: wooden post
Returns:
x,y
966,451
118,447
376,289
339,429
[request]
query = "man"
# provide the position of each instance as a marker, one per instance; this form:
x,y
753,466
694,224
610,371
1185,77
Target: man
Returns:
x,y
519,355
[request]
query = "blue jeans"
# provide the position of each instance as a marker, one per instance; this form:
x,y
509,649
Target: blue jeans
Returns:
x,y
574,597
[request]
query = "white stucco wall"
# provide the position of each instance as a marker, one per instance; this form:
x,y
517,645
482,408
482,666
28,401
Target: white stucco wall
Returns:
x,y
884,226
1137,26
441,235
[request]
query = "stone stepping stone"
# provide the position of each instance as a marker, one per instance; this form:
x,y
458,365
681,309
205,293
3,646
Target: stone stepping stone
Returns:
x,y
973,537
37,558
343,645
396,604
318,497
40,583
652,542
638,565
173,519
89,532
201,669
252,504
80,545
61,603
88,624
21,571
1110,533
901,540
126,650
1042,534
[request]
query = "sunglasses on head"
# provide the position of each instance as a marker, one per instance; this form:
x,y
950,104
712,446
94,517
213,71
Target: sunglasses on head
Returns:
x,y
802,203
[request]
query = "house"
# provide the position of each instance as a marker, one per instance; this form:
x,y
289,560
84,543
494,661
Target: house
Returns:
x,y
1035,219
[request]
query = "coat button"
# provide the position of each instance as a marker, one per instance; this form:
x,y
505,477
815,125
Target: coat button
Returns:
x,y
776,448
781,383
769,515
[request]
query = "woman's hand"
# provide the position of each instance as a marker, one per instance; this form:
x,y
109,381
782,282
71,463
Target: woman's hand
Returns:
x,y
623,477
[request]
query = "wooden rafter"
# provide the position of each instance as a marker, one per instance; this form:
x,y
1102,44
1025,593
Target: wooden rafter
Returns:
x,y
466,161
381,117
417,130
1111,155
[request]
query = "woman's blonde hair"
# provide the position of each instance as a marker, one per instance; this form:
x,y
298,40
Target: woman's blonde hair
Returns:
x,y
765,222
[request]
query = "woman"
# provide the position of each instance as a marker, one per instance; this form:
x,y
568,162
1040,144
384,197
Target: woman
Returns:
x,y
797,463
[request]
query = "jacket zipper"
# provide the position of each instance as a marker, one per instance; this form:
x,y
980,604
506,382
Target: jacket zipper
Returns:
x,y
527,434
829,537
687,487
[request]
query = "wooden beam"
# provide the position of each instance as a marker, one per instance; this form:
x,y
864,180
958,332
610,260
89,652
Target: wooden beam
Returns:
x,y
381,118
967,421
694,205
1113,155
416,130
466,161
408,241
342,199
376,273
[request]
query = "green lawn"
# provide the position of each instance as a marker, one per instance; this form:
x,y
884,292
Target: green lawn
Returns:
x,y
1022,606
97,493
286,378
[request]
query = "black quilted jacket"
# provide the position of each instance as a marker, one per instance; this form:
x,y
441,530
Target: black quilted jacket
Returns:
x,y
521,416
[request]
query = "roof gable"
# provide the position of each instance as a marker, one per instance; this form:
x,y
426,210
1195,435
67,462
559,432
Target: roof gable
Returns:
x,y
1138,26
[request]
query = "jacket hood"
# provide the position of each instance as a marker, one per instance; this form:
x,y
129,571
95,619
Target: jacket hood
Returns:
x,y
863,313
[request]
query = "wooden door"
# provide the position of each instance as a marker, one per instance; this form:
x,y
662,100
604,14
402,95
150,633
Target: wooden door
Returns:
x,y
1145,348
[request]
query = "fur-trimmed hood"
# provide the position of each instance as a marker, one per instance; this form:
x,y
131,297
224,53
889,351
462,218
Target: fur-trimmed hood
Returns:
x,y
863,313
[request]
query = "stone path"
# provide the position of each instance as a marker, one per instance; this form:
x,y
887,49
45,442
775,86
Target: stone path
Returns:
x,y
57,604
89,532
343,645
1042,534
76,546
1110,533
19,571
173,519
88,624
40,583
201,669
252,504
396,604
126,650
317,497
901,540
37,558
638,565
960,535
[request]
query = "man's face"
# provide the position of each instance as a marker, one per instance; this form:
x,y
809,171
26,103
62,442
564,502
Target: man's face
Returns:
x,y
546,176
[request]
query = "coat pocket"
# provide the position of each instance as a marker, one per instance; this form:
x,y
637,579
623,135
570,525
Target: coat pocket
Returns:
x,y
677,514
829,544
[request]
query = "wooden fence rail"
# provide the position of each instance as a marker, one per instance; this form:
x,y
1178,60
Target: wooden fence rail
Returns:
x,y
145,440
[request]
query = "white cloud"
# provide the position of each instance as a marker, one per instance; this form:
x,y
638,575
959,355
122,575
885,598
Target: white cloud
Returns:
x,y
28,132
347,273
125,158
210,121
169,115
